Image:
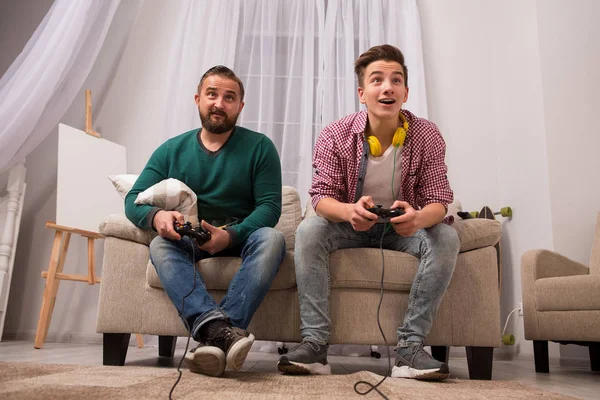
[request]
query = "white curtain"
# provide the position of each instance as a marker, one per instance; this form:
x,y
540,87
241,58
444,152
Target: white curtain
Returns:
x,y
207,36
295,58
43,81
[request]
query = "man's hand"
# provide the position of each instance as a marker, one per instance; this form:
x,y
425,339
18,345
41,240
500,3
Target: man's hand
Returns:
x,y
163,223
407,224
219,239
359,217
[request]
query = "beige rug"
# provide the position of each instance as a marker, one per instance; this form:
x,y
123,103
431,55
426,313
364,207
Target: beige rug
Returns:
x,y
60,381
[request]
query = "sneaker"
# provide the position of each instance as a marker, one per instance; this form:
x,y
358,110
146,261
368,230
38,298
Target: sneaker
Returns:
x,y
207,360
235,344
414,362
305,358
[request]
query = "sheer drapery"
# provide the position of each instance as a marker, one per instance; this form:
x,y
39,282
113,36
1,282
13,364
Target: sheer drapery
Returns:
x,y
43,81
207,36
295,58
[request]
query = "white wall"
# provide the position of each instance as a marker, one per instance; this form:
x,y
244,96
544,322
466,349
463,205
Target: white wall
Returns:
x,y
570,54
511,85
485,93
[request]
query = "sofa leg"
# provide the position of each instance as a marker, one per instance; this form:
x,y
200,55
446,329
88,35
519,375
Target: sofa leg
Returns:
x,y
594,349
166,346
114,348
480,361
440,353
540,356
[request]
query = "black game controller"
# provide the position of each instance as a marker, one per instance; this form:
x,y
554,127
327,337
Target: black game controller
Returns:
x,y
199,234
385,214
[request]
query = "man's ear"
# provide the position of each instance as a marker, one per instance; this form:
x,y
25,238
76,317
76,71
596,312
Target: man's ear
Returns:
x,y
197,99
405,96
242,104
361,92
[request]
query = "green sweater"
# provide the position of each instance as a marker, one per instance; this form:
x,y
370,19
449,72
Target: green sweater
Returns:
x,y
240,180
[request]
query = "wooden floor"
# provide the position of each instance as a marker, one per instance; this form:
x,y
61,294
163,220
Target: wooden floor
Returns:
x,y
573,381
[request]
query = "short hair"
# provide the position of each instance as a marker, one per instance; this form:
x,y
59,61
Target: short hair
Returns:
x,y
383,52
225,72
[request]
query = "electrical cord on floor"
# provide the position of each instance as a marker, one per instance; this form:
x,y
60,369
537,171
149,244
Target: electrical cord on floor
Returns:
x,y
374,387
187,326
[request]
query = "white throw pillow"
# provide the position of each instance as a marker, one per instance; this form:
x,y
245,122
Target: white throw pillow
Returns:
x,y
123,183
172,194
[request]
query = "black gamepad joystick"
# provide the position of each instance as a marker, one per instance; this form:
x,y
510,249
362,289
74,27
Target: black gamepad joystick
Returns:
x,y
385,214
199,234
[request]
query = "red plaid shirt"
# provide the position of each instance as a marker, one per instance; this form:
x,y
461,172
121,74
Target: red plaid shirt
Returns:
x,y
341,154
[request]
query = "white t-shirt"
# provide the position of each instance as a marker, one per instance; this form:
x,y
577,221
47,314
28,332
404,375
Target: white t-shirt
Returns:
x,y
378,179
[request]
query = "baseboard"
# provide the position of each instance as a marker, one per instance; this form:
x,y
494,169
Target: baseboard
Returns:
x,y
576,362
58,337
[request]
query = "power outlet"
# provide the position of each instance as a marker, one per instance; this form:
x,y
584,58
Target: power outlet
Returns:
x,y
520,308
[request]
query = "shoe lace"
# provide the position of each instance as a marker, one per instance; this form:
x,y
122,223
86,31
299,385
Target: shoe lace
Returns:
x,y
306,343
223,339
418,353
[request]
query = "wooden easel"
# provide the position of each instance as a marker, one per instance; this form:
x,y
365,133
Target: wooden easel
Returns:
x,y
59,253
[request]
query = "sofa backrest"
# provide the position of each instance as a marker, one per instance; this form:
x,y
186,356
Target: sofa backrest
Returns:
x,y
595,256
291,215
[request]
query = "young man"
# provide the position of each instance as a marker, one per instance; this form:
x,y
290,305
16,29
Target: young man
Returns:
x,y
236,175
382,156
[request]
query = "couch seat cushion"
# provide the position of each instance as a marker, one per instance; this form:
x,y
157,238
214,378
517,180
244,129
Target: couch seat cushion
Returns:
x,y
361,268
218,272
568,293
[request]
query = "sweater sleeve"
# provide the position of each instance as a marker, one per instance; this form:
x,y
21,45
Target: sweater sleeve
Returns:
x,y
267,194
155,171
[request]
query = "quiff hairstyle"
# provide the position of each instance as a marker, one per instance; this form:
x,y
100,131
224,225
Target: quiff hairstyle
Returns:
x,y
383,52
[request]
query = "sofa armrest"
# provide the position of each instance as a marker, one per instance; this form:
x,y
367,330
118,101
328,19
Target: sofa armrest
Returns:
x,y
117,225
477,233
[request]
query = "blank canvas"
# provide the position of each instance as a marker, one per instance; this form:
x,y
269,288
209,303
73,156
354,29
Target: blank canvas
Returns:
x,y
85,195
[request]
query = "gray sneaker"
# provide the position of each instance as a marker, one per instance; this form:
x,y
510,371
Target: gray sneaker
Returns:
x,y
414,362
207,360
305,358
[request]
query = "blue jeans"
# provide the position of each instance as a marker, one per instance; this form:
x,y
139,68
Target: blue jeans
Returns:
x,y
437,247
261,254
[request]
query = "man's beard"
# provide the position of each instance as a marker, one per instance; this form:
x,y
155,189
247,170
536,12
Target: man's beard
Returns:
x,y
217,127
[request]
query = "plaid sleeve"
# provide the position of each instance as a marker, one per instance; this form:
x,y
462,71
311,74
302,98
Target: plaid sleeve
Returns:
x,y
328,177
435,187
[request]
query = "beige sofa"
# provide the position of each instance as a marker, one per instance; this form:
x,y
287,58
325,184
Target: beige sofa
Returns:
x,y
132,299
561,302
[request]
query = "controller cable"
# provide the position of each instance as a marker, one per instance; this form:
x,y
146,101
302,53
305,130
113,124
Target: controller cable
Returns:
x,y
187,326
388,373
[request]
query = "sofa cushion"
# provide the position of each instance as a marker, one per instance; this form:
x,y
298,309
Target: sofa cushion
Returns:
x,y
477,233
291,215
361,268
472,233
117,225
568,293
218,272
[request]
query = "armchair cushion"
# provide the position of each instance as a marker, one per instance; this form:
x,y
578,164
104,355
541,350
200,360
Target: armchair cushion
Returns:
x,y
568,293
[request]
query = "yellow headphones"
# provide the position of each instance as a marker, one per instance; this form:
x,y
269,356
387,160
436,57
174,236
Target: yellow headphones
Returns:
x,y
397,140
